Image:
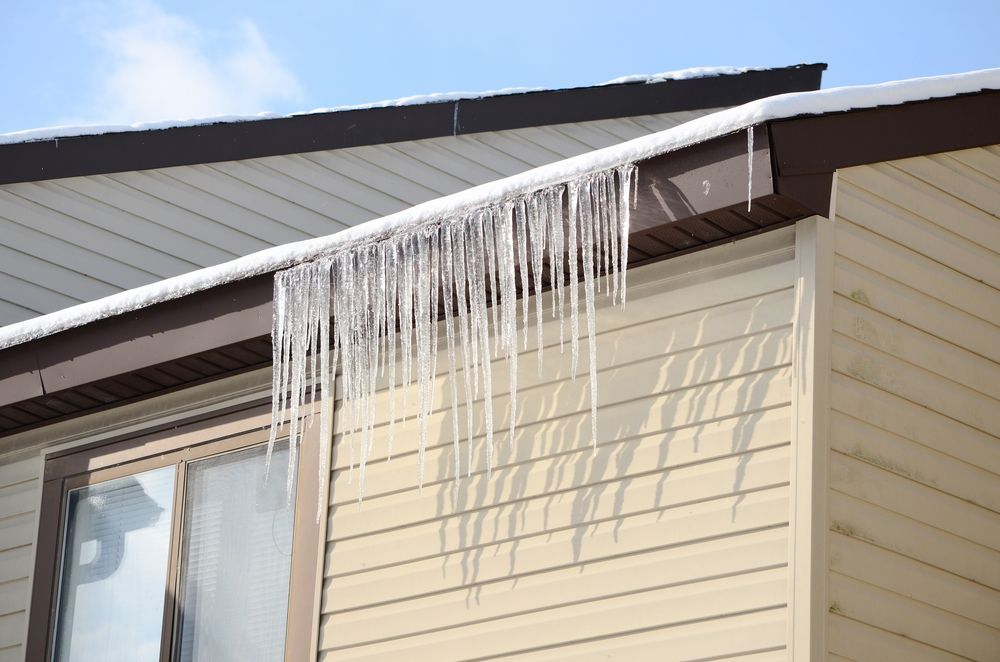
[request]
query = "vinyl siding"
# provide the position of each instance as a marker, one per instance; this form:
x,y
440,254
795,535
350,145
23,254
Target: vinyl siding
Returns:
x,y
18,503
670,542
71,240
914,543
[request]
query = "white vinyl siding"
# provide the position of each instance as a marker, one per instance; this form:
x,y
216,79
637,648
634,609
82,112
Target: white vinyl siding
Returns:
x,y
671,542
18,501
914,542
77,239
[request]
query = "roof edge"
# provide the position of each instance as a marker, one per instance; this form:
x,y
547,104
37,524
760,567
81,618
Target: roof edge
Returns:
x,y
210,142
820,103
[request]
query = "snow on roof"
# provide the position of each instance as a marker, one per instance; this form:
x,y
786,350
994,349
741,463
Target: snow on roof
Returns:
x,y
696,131
70,131
682,74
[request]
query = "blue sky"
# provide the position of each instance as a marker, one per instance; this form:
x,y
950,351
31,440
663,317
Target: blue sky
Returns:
x,y
123,61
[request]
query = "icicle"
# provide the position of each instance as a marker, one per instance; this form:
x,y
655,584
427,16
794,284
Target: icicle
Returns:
x,y
749,167
391,304
322,294
574,290
423,315
522,262
508,293
624,189
486,221
447,280
481,325
557,252
589,224
384,297
406,321
461,298
537,224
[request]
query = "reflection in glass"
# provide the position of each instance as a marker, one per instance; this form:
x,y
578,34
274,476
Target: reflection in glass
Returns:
x,y
236,556
114,569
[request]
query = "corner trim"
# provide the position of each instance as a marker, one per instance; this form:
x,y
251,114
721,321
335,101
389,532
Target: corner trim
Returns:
x,y
807,565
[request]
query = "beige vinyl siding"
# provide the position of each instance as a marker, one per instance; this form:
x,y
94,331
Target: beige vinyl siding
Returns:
x,y
671,542
77,239
18,503
914,542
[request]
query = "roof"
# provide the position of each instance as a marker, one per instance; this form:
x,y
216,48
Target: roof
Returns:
x,y
220,316
67,240
158,145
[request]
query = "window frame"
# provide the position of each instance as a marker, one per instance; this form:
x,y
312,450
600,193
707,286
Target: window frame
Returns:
x,y
236,428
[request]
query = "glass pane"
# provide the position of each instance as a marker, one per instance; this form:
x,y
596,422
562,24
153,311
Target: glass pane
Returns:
x,y
236,558
114,572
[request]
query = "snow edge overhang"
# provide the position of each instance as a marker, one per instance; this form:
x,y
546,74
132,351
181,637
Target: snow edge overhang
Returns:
x,y
223,330
81,155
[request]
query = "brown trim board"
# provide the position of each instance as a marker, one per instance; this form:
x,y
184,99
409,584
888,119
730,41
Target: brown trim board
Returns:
x,y
230,141
823,143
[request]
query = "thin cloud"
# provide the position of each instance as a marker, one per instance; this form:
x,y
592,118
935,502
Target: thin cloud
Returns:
x,y
161,66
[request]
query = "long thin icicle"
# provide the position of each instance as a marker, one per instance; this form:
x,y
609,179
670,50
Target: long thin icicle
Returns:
x,y
749,167
385,299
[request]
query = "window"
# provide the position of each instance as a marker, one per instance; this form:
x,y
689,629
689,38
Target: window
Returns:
x,y
172,547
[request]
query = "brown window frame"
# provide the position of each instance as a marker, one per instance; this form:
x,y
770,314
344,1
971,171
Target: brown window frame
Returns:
x,y
177,444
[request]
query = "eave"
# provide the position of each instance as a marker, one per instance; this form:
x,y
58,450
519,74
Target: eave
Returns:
x,y
224,330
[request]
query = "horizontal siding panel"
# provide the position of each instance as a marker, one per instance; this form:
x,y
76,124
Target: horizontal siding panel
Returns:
x,y
724,518
906,497
55,277
12,654
693,602
203,203
890,374
871,523
15,563
556,588
716,639
17,530
12,629
18,471
751,333
857,641
957,179
678,487
911,619
684,406
921,273
901,456
894,205
914,346
538,444
19,498
87,259
906,304
891,182
677,524
984,159
204,239
914,423
914,580
52,215
13,596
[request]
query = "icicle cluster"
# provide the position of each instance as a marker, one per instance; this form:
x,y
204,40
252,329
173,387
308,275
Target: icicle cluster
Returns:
x,y
384,299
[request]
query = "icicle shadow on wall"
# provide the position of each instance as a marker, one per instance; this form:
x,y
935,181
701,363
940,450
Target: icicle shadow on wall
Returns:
x,y
385,300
